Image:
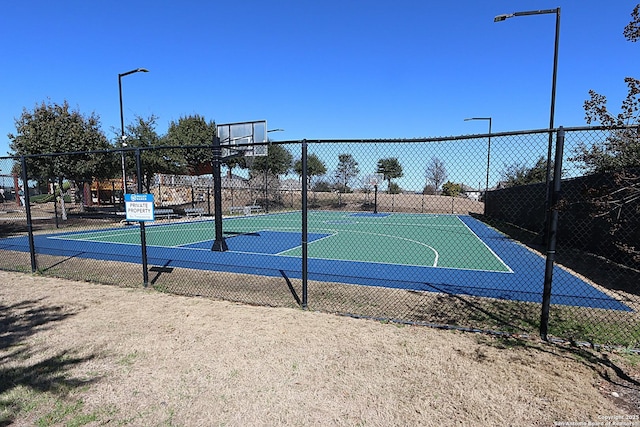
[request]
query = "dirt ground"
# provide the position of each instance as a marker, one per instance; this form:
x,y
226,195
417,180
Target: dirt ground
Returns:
x,y
76,353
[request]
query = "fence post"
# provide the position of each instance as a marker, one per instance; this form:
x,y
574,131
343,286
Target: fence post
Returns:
x,y
219,244
143,234
27,209
552,221
305,240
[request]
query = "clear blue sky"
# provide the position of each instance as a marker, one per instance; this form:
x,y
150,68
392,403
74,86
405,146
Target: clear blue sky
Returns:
x,y
318,69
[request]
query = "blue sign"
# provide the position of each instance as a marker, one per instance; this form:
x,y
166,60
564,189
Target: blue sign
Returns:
x,y
139,207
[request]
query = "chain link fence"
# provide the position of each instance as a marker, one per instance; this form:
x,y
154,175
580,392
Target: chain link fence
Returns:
x,y
448,232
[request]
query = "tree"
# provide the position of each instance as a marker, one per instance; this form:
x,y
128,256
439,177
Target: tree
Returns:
x,y
519,174
632,30
315,167
347,170
451,189
277,162
322,187
394,188
429,190
436,173
390,168
142,134
193,131
233,162
618,155
621,150
54,128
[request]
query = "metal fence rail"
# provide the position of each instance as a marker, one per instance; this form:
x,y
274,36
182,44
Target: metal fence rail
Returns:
x,y
459,232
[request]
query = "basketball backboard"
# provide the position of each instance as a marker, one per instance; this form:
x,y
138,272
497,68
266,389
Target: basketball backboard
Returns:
x,y
375,179
244,138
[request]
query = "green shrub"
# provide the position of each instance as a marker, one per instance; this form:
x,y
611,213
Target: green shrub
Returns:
x,y
394,188
322,187
41,198
47,198
451,189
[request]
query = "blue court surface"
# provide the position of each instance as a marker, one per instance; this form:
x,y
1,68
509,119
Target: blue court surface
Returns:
x,y
451,254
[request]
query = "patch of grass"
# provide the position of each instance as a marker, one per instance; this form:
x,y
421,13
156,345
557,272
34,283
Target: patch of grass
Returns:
x,y
21,401
575,324
19,268
68,414
164,288
17,401
59,413
595,326
170,418
503,342
631,358
129,359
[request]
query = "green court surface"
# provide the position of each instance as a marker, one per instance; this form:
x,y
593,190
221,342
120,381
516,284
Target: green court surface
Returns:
x,y
410,239
406,239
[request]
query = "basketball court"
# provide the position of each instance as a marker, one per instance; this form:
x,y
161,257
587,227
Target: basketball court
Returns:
x,y
451,254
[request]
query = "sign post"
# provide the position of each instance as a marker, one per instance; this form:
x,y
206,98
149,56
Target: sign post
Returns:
x,y
139,207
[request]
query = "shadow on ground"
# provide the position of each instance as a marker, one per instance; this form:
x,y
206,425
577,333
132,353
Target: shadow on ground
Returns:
x,y
20,368
620,380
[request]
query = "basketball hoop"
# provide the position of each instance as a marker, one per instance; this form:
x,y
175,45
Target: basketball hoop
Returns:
x,y
241,139
234,140
375,179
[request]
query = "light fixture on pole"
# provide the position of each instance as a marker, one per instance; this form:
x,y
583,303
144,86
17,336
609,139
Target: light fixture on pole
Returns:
x,y
555,11
122,135
486,188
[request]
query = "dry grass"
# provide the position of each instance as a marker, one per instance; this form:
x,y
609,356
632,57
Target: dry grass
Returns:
x,y
569,323
84,354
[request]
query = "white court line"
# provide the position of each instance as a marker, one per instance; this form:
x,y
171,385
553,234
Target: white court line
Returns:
x,y
486,246
99,235
435,252
308,243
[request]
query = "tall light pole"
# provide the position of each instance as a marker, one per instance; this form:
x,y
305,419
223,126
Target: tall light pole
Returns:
x,y
486,188
122,137
500,18
550,223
